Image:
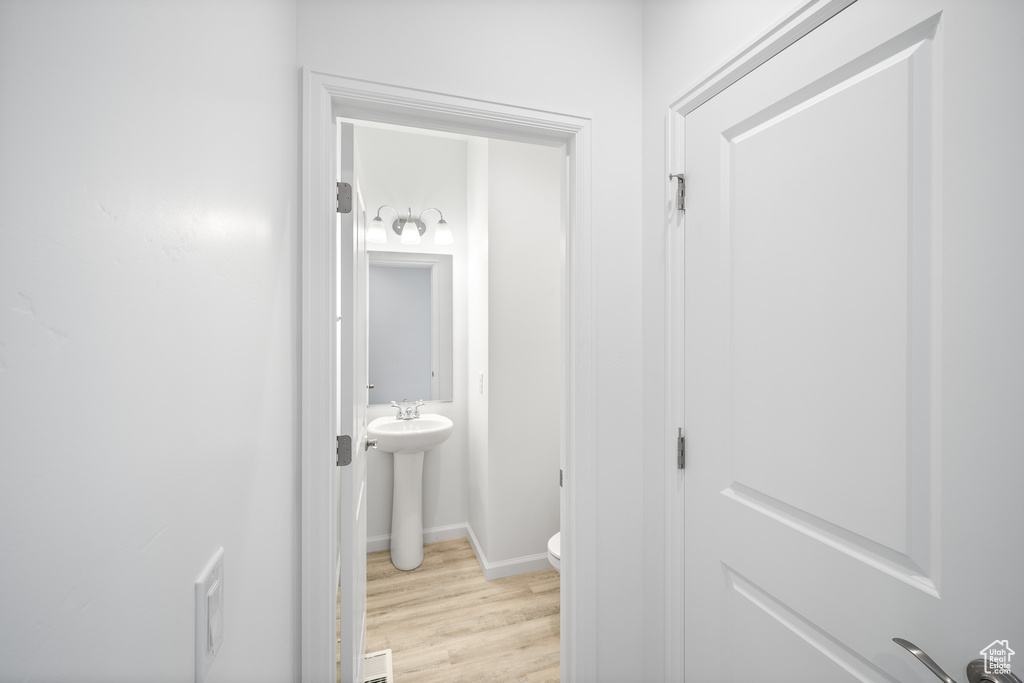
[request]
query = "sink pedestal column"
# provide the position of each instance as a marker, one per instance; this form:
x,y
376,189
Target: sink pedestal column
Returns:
x,y
407,511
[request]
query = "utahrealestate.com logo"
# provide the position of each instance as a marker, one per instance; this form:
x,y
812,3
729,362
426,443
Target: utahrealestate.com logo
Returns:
x,y
997,657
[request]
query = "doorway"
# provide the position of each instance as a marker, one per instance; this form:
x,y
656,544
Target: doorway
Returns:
x,y
489,488
325,98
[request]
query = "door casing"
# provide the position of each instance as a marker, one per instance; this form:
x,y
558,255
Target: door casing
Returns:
x,y
326,97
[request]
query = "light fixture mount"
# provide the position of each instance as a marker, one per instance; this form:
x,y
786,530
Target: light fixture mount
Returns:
x,y
399,222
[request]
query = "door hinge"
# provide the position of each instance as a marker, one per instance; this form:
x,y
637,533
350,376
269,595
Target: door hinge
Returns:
x,y
681,450
344,198
344,450
680,190
561,477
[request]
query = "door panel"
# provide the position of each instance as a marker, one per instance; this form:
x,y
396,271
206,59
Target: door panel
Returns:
x,y
817,522
352,287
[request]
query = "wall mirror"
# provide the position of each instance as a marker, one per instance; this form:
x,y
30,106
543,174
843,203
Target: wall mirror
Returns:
x,y
410,327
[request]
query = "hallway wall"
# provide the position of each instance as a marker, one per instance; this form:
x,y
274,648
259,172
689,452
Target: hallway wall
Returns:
x,y
581,57
148,337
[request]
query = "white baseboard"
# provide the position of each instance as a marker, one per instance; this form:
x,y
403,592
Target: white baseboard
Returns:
x,y
503,568
432,535
491,570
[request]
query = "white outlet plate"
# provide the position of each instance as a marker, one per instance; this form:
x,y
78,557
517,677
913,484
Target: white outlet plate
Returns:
x,y
209,614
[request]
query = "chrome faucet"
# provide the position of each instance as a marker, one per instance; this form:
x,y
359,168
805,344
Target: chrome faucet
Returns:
x,y
406,411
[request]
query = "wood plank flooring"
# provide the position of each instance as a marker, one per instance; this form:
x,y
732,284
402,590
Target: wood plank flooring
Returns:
x,y
444,622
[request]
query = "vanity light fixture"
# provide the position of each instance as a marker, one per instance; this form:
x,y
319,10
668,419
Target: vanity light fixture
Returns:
x,y
410,229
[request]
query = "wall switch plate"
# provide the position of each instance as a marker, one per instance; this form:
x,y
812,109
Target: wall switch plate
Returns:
x,y
209,614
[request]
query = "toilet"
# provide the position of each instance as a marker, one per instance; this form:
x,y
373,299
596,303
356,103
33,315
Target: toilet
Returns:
x,y
555,551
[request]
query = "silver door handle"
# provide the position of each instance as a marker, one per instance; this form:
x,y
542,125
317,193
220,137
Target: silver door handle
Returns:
x,y
925,659
975,670
370,443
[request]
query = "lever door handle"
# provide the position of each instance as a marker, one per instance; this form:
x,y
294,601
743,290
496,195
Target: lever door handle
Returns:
x,y
370,443
925,659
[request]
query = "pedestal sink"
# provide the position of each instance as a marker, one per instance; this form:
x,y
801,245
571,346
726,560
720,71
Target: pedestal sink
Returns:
x,y
408,439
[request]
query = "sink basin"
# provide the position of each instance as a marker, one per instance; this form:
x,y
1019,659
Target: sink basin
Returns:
x,y
410,436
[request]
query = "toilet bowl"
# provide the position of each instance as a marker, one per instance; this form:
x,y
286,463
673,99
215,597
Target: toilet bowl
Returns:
x,y
555,551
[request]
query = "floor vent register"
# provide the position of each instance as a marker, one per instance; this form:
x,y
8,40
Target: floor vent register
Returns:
x,y
377,667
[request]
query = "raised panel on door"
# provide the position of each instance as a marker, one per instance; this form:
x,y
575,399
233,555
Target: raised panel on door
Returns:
x,y
831,310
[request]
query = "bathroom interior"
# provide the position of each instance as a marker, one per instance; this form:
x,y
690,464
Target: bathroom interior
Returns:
x,y
473,329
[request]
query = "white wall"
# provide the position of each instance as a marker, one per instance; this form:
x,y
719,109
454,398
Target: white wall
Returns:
x,y
515,342
683,42
580,57
148,337
477,347
406,169
525,370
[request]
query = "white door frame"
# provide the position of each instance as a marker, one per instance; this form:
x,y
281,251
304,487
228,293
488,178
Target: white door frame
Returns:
x,y
326,97
803,19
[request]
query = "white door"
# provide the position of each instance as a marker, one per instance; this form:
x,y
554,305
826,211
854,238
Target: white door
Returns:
x,y
854,385
352,396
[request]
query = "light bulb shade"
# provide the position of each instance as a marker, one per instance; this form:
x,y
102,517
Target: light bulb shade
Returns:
x,y
376,232
443,233
410,233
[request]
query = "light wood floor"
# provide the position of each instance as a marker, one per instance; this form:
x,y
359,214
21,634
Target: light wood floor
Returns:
x,y
444,622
